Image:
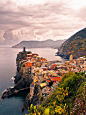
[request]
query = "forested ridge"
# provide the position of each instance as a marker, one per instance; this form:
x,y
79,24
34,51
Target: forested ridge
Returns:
x,y
75,45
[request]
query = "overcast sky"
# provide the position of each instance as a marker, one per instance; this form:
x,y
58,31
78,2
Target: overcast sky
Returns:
x,y
40,19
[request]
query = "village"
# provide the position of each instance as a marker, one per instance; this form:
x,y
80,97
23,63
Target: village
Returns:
x,y
47,74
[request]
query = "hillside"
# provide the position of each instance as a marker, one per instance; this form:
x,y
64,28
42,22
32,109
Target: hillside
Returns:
x,y
75,45
39,44
67,99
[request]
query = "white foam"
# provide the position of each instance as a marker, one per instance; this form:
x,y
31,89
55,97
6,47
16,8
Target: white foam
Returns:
x,y
13,79
12,87
4,91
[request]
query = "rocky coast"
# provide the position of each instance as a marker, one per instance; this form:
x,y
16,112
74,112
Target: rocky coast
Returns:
x,y
37,75
23,81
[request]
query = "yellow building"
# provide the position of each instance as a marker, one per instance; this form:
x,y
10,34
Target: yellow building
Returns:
x,y
71,57
43,84
36,78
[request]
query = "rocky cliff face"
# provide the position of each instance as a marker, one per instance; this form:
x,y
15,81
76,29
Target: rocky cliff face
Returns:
x,y
75,45
32,97
22,82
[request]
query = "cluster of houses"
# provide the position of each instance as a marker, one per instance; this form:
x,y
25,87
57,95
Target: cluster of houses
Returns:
x,y
76,65
48,74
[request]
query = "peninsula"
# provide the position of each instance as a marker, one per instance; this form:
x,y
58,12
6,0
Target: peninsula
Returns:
x,y
40,76
40,44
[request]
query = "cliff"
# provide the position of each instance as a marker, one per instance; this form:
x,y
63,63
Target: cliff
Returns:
x,y
32,97
23,80
75,45
21,83
30,68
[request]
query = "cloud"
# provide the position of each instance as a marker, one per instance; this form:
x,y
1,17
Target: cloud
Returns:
x,y
81,14
8,38
50,19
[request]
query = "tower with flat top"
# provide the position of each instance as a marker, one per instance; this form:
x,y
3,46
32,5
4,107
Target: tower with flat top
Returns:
x,y
24,49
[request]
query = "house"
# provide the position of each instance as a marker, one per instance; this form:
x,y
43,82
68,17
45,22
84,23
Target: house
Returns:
x,y
29,55
53,79
34,55
71,57
53,66
55,84
28,64
48,87
33,60
44,68
36,78
49,82
67,63
44,60
43,84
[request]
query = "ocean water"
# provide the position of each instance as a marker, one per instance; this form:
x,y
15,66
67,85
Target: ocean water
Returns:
x,y
13,105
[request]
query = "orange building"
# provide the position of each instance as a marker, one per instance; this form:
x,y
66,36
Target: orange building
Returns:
x,y
39,60
43,59
53,66
55,79
67,63
28,64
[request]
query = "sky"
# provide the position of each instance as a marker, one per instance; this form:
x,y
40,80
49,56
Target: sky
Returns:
x,y
40,19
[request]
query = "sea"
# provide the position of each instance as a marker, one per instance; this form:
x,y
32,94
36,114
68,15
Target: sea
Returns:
x,y
13,105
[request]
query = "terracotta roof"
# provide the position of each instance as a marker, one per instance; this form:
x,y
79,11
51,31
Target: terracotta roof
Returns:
x,y
35,54
48,80
48,87
54,65
55,79
50,76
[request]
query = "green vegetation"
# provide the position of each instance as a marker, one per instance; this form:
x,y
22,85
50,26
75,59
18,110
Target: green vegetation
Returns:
x,y
21,56
64,97
29,52
23,65
75,45
44,81
71,80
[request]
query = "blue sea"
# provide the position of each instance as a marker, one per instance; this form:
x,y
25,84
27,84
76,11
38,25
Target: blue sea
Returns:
x,y
13,105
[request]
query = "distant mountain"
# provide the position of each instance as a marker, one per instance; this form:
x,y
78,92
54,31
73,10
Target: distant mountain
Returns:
x,y
75,45
39,44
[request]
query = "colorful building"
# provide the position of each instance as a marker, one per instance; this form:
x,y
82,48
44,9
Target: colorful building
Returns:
x,y
71,57
28,64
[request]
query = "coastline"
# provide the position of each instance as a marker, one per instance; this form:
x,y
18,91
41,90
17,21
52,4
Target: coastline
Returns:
x,y
20,82
40,80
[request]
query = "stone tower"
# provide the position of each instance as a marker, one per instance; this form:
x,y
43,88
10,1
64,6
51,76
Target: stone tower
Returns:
x,y
24,49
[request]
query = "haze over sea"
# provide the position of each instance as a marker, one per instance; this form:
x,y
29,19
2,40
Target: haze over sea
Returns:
x,y
13,105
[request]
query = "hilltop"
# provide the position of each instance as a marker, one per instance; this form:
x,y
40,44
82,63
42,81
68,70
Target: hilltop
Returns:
x,y
39,44
75,45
